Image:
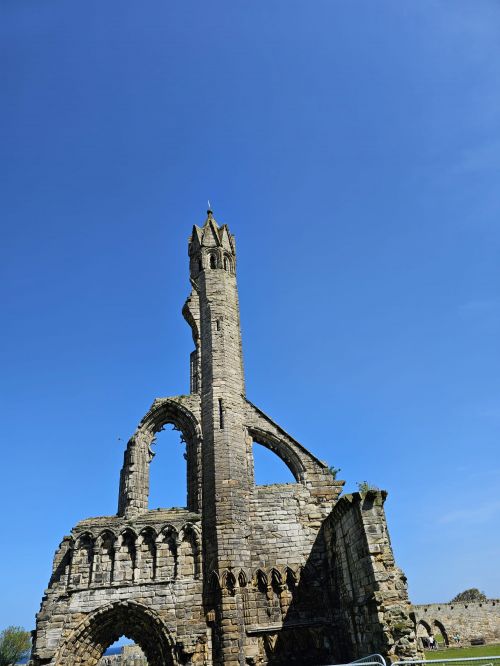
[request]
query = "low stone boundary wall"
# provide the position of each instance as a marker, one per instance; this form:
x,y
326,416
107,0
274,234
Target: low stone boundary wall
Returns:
x,y
471,620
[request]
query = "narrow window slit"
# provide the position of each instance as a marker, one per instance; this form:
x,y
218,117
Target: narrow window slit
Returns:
x,y
217,324
221,415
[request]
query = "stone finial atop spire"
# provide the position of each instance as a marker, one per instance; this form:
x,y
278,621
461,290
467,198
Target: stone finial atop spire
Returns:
x,y
210,219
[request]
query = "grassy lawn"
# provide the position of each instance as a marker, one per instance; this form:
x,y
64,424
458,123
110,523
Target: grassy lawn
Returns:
x,y
462,653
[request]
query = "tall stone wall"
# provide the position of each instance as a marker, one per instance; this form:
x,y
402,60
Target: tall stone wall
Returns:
x,y
368,591
471,620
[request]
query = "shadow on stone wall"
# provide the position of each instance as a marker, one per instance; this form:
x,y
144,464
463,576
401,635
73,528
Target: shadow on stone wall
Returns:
x,y
310,633
349,599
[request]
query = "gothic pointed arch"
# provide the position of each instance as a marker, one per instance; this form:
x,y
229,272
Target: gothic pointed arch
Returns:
x,y
304,466
126,556
189,552
441,629
291,576
104,560
101,628
147,552
423,628
62,563
134,477
229,581
214,581
260,578
281,448
81,561
167,553
276,576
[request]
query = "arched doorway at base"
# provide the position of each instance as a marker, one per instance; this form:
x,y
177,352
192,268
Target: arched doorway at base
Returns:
x,y
104,626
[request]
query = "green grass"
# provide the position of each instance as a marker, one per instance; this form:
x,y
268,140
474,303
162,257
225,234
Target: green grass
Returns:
x,y
462,653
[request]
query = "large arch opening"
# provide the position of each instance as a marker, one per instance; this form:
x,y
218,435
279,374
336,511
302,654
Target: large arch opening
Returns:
x,y
129,651
269,468
168,470
440,633
282,450
141,450
105,626
169,420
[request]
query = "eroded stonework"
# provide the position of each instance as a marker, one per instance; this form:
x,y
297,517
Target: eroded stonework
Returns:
x,y
472,621
246,574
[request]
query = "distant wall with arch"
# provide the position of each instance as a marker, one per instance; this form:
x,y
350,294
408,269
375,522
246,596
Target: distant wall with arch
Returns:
x,y
470,621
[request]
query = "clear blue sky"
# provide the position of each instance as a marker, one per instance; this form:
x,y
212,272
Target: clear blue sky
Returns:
x,y
354,149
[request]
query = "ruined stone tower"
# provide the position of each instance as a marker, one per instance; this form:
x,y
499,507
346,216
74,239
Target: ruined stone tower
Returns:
x,y
246,574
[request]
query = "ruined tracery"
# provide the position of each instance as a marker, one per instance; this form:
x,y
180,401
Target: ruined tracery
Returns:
x,y
245,574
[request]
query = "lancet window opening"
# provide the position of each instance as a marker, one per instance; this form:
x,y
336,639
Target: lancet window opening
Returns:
x,y
135,482
228,264
168,469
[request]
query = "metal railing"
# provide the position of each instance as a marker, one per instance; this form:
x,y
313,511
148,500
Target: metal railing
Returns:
x,y
378,660
370,660
471,661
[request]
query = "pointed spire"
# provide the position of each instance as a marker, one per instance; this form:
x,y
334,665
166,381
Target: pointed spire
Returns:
x,y
210,221
211,239
225,238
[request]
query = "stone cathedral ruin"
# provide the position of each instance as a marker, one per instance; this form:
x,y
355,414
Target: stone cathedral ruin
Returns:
x,y
245,574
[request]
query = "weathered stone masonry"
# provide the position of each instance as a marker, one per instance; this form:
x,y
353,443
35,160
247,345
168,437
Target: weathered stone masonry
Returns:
x,y
470,620
245,574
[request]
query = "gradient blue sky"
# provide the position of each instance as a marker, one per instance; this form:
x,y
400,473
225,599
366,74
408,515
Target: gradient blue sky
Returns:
x,y
354,149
